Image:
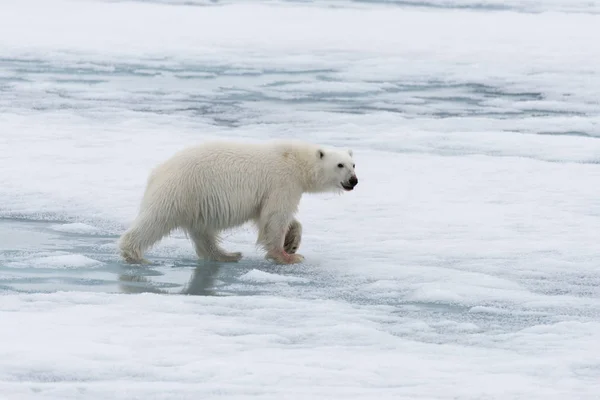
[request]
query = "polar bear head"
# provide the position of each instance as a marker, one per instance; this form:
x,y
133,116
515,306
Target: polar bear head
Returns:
x,y
336,170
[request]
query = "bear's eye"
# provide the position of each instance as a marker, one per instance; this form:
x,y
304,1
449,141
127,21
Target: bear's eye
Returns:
x,y
340,165
353,165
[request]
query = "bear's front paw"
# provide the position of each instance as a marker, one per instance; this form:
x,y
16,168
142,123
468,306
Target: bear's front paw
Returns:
x,y
295,259
281,257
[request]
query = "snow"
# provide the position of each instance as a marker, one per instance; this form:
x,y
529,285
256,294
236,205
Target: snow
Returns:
x,y
265,277
271,347
463,266
56,261
77,228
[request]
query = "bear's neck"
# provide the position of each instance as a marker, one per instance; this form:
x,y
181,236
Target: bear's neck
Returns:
x,y
311,176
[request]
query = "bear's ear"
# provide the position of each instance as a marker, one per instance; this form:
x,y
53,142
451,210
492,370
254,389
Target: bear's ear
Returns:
x,y
320,153
350,152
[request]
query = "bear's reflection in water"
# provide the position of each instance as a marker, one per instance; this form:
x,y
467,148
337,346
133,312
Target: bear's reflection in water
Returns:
x,y
135,280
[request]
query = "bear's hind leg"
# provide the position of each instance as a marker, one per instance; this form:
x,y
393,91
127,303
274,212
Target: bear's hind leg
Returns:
x,y
206,246
140,236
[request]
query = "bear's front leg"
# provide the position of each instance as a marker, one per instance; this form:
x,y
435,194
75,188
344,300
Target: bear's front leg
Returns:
x,y
273,229
293,237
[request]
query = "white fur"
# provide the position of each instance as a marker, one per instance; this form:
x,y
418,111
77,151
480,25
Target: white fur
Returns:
x,y
220,185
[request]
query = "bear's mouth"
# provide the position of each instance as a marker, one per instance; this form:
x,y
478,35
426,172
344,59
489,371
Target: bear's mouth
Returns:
x,y
347,187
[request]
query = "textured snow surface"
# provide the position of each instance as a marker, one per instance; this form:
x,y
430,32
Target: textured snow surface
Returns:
x,y
76,228
119,346
57,261
463,266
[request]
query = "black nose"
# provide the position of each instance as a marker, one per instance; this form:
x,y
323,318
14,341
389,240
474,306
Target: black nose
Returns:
x,y
353,181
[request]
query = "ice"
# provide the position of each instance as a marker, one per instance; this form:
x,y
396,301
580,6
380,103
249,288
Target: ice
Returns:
x,y
463,266
75,228
207,346
55,261
265,277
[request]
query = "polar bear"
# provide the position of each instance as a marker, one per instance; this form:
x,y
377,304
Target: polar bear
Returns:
x,y
208,188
